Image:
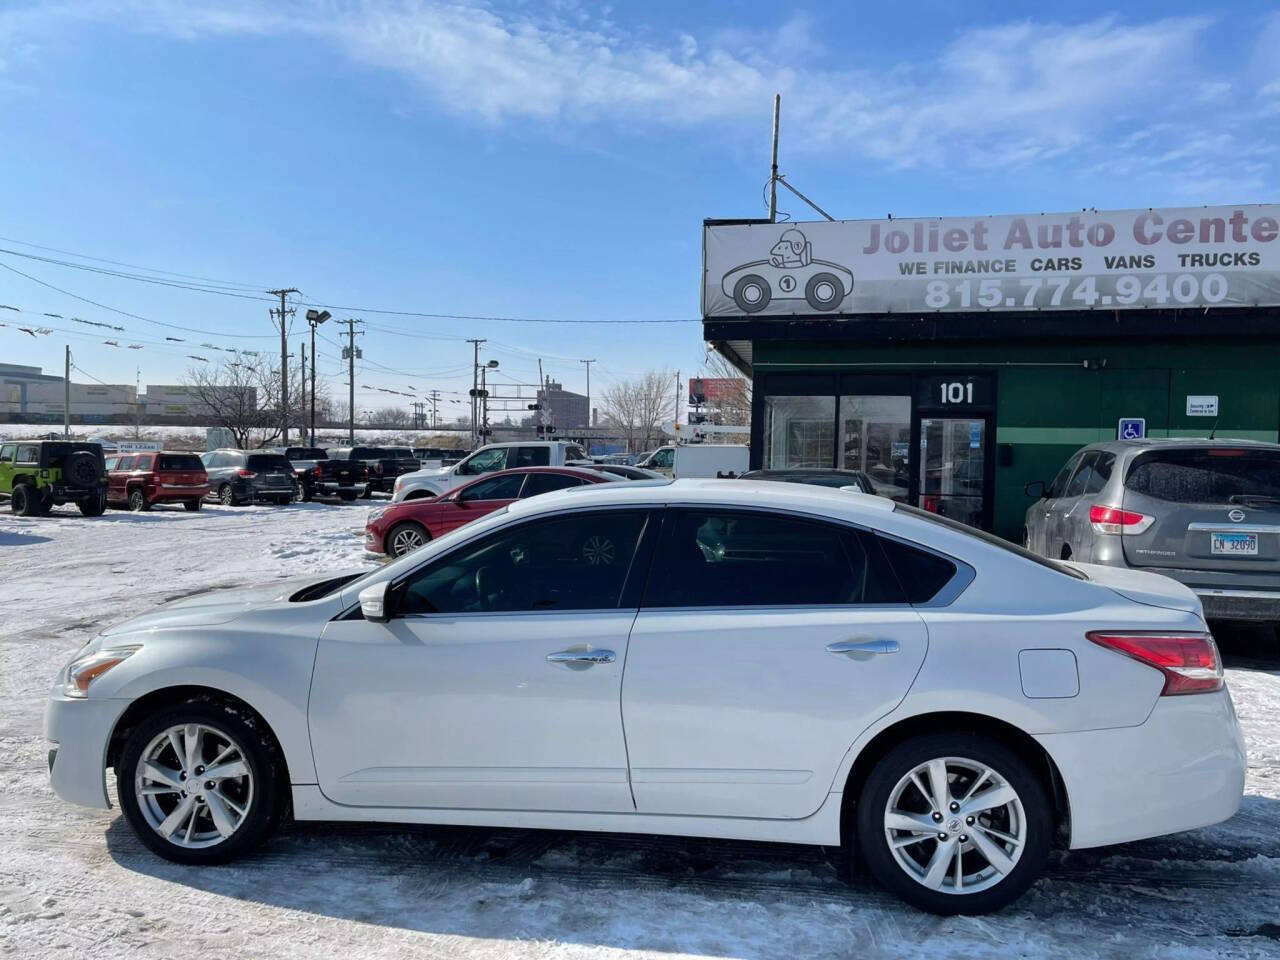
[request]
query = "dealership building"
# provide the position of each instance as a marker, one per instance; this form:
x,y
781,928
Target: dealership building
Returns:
x,y
955,360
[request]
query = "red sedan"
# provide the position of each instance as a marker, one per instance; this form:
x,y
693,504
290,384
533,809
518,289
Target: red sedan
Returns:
x,y
408,525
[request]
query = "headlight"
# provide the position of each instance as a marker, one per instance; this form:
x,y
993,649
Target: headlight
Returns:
x,y
399,483
84,670
375,514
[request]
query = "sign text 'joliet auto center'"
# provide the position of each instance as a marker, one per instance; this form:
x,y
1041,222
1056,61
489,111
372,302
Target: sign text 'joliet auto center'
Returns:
x,y
956,359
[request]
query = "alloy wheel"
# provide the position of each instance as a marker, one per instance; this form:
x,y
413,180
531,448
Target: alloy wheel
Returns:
x,y
224,495
405,540
955,825
194,786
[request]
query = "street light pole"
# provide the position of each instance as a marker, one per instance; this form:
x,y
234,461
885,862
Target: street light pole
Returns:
x,y
588,363
315,318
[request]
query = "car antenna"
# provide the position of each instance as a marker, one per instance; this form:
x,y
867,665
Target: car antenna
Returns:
x,y
1214,428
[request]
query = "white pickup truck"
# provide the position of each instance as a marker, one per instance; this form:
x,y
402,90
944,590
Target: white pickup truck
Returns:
x,y
684,460
494,456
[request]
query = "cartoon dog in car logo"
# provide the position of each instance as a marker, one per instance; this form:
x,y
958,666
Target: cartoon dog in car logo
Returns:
x,y
790,273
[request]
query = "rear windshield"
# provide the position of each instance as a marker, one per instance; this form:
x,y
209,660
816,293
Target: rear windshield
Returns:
x,y
401,452
306,453
989,538
368,453
1218,475
268,461
179,461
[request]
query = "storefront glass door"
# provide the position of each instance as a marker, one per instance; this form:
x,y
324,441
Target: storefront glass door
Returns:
x,y
952,472
875,437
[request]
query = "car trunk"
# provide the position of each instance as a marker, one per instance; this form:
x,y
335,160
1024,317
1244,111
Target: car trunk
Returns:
x,y
1215,510
180,471
272,472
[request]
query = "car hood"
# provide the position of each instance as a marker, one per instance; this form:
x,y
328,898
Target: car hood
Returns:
x,y
213,606
1149,588
427,474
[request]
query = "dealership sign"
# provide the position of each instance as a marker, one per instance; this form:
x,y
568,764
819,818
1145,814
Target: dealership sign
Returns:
x,y
1092,260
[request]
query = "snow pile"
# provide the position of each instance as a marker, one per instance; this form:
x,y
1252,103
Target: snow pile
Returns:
x,y
75,882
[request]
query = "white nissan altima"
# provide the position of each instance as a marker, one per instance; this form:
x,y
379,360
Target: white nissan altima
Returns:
x,y
739,659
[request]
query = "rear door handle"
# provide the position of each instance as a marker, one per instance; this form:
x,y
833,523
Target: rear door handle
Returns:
x,y
863,649
582,656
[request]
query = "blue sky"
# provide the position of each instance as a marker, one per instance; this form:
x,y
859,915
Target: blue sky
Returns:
x,y
555,161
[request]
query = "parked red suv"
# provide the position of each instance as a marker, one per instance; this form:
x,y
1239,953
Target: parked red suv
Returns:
x,y
140,480
406,526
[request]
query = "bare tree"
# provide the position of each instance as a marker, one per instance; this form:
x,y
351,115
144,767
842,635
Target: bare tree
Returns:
x,y
732,403
387,417
636,408
241,395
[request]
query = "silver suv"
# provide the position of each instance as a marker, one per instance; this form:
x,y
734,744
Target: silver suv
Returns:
x,y
1204,512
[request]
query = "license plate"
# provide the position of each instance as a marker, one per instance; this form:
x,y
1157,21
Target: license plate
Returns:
x,y
1234,544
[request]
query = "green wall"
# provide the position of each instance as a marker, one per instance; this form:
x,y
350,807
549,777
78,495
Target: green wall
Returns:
x,y
1049,404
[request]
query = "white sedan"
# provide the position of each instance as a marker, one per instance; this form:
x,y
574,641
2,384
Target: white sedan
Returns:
x,y
709,658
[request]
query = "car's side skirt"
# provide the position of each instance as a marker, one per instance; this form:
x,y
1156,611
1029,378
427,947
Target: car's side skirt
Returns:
x,y
822,828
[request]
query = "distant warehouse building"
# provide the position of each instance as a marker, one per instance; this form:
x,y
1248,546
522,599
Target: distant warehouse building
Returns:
x,y
956,359
563,408
28,393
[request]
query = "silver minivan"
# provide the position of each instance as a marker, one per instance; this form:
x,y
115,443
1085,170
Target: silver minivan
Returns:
x,y
1204,512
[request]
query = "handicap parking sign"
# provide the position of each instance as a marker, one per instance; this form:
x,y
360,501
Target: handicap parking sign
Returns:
x,y
1131,428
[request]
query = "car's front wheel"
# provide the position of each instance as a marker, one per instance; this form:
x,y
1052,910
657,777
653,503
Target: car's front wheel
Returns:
x,y
954,823
199,782
406,537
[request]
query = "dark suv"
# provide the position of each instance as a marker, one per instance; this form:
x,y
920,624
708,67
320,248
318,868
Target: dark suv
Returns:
x,y
38,475
249,476
1204,512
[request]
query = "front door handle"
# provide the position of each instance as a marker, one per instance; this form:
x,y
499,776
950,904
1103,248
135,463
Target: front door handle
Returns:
x,y
582,656
863,649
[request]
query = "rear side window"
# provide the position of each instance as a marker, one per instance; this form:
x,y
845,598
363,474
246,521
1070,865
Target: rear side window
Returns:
x,y
145,461
1218,475
127,463
1100,473
269,461
1059,485
546,482
921,573
734,559
28,453
1082,475
532,457
179,461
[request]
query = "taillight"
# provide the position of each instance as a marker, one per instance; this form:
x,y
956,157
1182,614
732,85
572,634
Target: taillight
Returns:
x,y
378,467
246,473
1189,661
1115,520
317,471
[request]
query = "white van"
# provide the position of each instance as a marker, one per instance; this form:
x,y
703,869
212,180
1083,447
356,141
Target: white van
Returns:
x,y
723,460
491,457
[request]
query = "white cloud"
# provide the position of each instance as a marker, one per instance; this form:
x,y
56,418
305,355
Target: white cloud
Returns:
x,y
1105,93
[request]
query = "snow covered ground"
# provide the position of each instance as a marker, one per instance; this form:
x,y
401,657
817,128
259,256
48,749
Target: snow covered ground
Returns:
x,y
75,883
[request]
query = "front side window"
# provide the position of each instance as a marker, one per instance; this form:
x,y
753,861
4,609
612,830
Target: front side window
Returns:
x,y
506,487
732,559
663,459
532,457
484,461
799,432
577,562
546,482
574,452
6,452
1059,485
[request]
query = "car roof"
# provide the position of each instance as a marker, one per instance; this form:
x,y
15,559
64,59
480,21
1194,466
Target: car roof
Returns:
x,y
585,472
1176,443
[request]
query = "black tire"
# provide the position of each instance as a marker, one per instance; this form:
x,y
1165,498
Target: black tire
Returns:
x,y
307,494
80,469
193,505
348,496
138,501
44,504
25,500
283,501
226,496
405,531
260,753
742,293
368,492
94,506
813,291
873,842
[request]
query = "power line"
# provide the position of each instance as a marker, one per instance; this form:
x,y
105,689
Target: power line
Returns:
x,y
135,266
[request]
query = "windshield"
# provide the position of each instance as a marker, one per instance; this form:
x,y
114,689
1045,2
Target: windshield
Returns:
x,y
989,538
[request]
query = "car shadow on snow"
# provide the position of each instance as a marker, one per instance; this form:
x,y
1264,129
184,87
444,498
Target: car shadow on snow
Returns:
x,y
15,538
742,899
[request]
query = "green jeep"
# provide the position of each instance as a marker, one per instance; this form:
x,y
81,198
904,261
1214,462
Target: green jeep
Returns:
x,y
37,475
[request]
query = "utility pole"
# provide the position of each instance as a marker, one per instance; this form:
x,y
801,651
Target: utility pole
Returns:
x,y
541,398
302,404
773,170
677,418
588,363
350,351
283,315
66,397
435,399
137,406
475,385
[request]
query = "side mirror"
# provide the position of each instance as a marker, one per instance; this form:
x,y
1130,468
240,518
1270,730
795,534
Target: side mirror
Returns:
x,y
1035,489
373,603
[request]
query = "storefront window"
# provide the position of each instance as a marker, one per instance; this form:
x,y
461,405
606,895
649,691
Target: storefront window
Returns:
x,y
799,432
875,437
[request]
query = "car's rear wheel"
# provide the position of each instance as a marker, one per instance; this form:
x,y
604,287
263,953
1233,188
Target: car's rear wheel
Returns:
x,y
368,492
954,823
199,782
192,505
24,501
225,495
138,500
406,537
94,506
